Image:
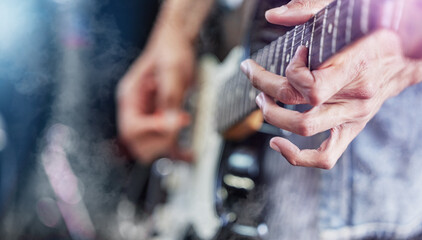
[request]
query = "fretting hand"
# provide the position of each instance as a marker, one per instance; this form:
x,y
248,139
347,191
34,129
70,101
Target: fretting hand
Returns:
x,y
345,92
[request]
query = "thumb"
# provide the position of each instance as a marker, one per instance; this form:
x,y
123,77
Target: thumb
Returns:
x,y
295,12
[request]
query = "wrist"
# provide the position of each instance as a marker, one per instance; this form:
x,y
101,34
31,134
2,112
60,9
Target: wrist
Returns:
x,y
408,73
176,18
416,71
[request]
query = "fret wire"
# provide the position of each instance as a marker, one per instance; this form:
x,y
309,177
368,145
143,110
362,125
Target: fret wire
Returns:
x,y
321,48
398,14
293,41
336,23
264,57
230,102
349,21
271,56
247,99
334,10
235,108
284,54
290,37
387,18
303,33
233,94
259,57
329,14
364,21
221,95
310,44
288,51
246,87
277,54
242,80
226,106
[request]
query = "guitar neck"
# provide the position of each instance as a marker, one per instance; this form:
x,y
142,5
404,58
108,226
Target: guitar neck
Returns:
x,y
327,33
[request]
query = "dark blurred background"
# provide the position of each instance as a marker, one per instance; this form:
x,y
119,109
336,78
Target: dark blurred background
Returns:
x,y
62,172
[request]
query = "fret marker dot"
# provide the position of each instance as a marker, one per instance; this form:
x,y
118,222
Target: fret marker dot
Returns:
x,y
330,28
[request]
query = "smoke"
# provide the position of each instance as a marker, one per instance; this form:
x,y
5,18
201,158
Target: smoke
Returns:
x,y
23,45
73,53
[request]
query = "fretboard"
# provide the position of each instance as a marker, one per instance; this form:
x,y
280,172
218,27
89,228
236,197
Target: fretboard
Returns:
x,y
327,33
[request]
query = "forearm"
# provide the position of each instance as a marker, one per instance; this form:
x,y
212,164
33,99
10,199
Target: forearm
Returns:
x,y
186,16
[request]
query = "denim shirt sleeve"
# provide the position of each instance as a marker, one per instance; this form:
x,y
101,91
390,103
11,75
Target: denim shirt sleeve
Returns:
x,y
376,189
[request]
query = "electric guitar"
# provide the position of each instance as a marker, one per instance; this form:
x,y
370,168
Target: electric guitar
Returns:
x,y
229,131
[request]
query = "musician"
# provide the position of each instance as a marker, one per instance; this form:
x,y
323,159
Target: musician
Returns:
x,y
368,94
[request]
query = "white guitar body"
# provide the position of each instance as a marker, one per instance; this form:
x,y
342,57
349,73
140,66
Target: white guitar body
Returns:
x,y
191,187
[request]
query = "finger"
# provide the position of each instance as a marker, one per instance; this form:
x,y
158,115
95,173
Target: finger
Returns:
x,y
137,90
179,153
272,84
156,136
316,120
326,155
157,147
133,127
317,86
171,87
295,12
148,151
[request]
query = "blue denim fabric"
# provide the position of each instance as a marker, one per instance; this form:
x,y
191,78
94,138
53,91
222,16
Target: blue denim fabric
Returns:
x,y
374,191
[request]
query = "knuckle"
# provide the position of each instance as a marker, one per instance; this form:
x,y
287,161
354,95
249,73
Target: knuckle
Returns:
x,y
364,110
367,91
326,162
255,75
267,113
315,96
326,165
291,71
306,126
300,3
288,96
294,162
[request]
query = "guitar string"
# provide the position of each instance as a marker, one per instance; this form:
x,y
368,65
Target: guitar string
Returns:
x,y
318,28
291,36
267,49
332,11
330,14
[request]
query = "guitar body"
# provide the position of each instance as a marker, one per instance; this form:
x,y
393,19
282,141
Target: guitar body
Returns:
x,y
208,142
220,196
192,188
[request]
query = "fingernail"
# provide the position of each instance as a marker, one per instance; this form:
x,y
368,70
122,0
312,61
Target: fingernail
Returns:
x,y
245,67
259,99
274,147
